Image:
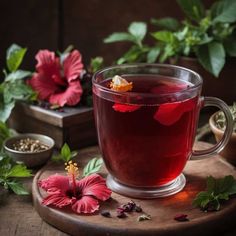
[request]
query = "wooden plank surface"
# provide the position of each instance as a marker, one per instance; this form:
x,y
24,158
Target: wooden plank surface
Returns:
x,y
19,218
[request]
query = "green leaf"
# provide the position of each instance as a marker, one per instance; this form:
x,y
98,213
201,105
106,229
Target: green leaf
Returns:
x,y
153,54
224,11
19,74
96,64
15,55
202,199
119,37
226,184
4,133
212,57
5,110
134,54
17,90
138,30
217,190
211,184
92,166
230,46
194,9
17,188
167,23
164,36
19,171
65,152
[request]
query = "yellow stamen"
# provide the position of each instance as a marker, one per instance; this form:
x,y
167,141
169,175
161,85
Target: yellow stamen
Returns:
x,y
72,169
120,84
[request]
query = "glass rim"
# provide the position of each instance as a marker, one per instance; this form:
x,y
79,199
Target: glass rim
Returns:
x,y
134,65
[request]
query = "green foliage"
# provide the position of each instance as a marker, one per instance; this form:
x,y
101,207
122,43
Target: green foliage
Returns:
x,y
207,34
93,166
167,23
13,87
96,64
193,9
138,52
15,55
10,171
4,133
65,154
217,191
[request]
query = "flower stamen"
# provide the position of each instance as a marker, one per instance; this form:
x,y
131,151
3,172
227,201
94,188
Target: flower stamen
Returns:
x,y
73,173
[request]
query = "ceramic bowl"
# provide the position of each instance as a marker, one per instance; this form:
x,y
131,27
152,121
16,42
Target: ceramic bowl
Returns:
x,y
30,159
229,152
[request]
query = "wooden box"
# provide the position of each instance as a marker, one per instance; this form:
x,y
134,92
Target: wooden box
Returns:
x,y
75,126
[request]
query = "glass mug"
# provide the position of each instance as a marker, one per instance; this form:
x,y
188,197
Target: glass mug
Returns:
x,y
146,135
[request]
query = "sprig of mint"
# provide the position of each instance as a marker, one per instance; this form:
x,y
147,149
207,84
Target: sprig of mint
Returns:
x,y
13,87
93,166
9,172
217,190
65,154
138,52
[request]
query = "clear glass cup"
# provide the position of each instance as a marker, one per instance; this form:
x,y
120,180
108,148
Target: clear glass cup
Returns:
x,y
146,135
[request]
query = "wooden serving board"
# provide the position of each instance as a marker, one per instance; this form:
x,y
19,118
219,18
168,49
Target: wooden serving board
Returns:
x,y
161,210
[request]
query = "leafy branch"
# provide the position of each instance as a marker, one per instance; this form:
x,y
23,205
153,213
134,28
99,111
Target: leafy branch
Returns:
x,y
138,52
217,190
13,87
65,154
10,172
207,34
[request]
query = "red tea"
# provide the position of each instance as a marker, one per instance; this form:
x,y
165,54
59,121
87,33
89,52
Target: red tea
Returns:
x,y
144,141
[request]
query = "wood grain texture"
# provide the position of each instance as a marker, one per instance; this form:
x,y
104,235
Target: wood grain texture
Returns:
x,y
75,125
161,210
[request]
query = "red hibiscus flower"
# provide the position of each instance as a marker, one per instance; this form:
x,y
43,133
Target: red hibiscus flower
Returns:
x,y
82,195
58,83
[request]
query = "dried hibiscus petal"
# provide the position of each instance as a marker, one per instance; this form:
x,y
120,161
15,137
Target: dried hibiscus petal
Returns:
x,y
181,217
106,214
125,108
169,113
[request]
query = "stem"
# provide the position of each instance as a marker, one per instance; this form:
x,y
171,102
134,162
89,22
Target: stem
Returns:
x,y
74,185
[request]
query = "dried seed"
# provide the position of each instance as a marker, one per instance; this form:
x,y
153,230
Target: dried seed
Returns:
x,y
181,217
106,214
138,209
144,217
121,215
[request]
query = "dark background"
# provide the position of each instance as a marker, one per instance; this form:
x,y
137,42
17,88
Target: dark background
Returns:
x,y
54,24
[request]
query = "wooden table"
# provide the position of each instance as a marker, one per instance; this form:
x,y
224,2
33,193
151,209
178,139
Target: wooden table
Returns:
x,y
18,217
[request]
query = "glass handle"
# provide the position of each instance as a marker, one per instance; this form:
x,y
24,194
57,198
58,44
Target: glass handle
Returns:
x,y
212,101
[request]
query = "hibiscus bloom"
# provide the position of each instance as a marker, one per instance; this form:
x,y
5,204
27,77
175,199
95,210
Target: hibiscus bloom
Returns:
x,y
58,83
82,195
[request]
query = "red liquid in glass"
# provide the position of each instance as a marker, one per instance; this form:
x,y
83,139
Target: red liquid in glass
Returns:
x,y
147,145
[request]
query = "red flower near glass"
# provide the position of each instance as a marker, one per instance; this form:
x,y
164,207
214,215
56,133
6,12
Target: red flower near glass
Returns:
x,y
58,79
82,195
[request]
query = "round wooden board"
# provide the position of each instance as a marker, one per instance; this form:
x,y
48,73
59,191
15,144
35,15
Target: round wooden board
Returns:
x,y
161,210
